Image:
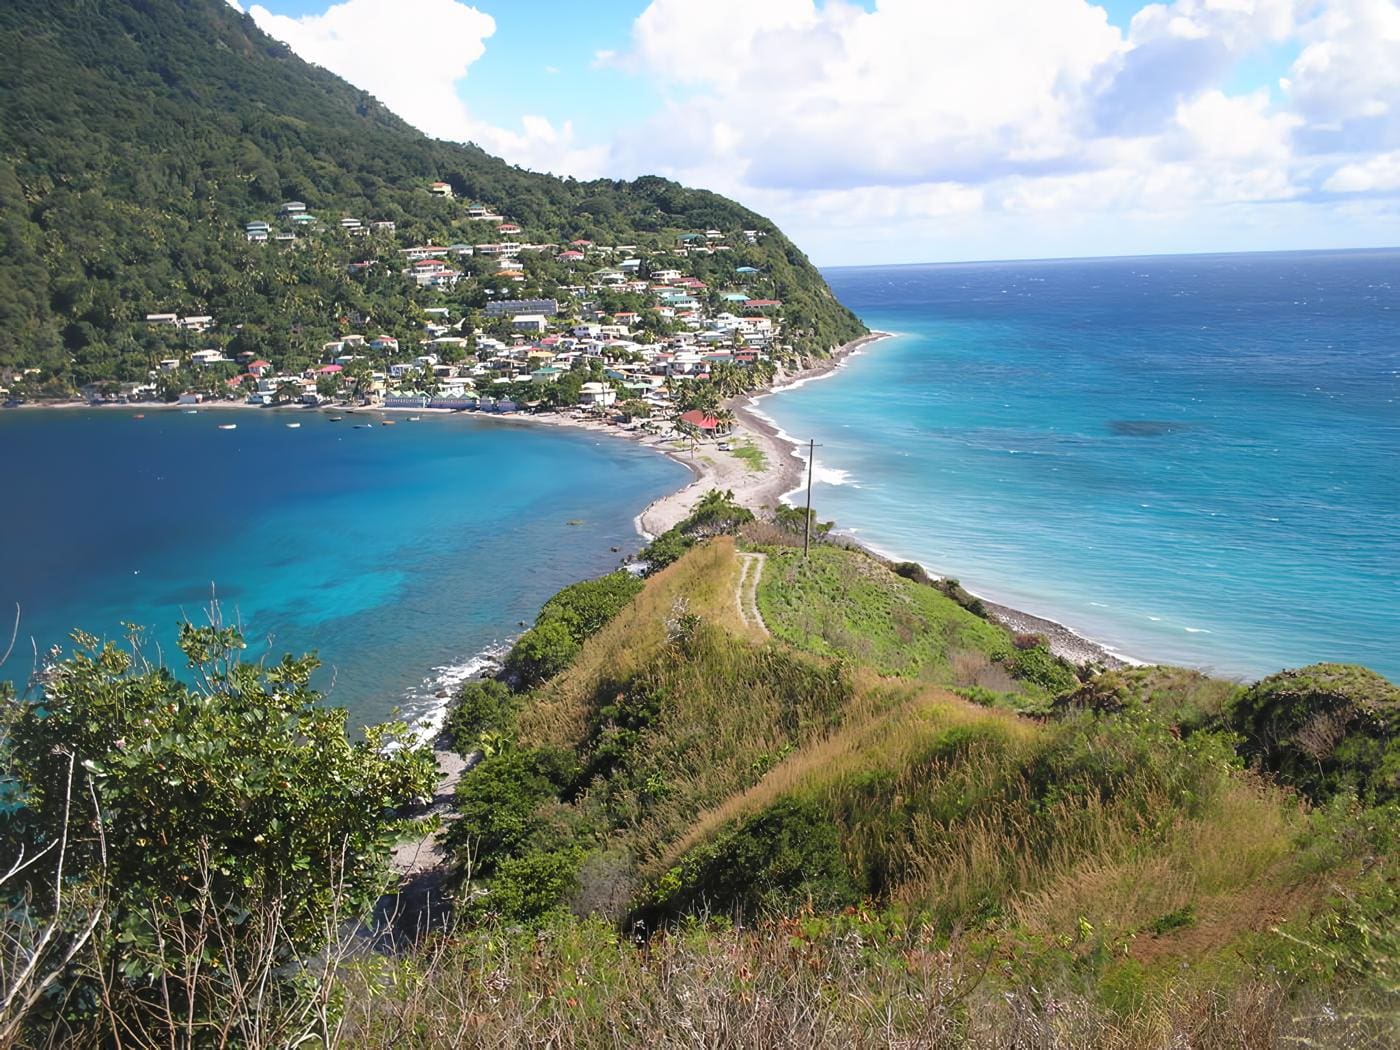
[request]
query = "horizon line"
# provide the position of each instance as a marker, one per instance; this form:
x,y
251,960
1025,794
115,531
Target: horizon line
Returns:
x,y
1107,258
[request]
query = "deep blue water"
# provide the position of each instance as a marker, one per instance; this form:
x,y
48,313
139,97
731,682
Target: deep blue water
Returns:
x,y
1192,459
398,553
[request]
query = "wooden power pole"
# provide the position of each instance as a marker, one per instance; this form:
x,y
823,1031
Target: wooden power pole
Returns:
x,y
807,523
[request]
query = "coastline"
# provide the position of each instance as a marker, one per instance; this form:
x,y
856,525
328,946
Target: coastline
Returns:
x,y
1063,641
781,476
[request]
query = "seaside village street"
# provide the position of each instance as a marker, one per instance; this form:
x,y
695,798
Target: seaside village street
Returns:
x,y
620,334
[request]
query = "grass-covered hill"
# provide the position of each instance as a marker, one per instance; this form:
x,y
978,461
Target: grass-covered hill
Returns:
x,y
973,841
137,137
753,800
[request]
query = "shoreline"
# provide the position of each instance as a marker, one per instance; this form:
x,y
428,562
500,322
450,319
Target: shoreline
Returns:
x,y
782,475
1064,641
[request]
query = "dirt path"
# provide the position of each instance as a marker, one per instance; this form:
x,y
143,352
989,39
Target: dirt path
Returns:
x,y
746,591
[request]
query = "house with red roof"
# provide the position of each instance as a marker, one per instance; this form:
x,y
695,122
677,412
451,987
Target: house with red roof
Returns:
x,y
259,368
700,421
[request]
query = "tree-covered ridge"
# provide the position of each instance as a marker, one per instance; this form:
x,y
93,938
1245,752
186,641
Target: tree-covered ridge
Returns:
x,y
137,139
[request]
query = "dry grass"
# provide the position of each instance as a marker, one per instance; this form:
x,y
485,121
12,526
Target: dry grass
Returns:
x,y
702,584
785,986
896,723
1217,866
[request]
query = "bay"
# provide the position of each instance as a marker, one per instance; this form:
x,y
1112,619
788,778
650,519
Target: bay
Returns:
x,y
399,554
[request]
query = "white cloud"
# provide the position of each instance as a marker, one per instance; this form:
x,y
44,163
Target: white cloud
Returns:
x,y
923,114
1378,173
914,91
236,6
411,54
1346,80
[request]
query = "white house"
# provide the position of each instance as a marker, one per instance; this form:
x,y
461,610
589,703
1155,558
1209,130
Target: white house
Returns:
x,y
597,394
529,323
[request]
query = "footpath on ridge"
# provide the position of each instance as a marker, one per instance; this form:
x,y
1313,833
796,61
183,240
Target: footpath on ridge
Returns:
x,y
746,591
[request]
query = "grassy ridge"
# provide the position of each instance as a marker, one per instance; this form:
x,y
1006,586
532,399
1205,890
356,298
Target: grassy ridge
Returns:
x,y
835,780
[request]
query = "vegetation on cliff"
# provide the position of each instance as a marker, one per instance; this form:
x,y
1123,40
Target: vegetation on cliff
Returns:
x,y
137,139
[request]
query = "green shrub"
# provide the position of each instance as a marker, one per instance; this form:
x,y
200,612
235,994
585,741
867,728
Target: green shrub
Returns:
x,y
953,589
536,887
541,653
912,570
1179,696
1324,729
245,792
1179,919
497,805
1039,665
482,705
585,607
669,547
716,514
770,863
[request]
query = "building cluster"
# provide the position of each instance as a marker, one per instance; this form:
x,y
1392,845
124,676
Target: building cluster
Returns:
x,y
534,341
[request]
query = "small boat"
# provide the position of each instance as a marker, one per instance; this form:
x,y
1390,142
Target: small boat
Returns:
x,y
363,426
139,415
334,419
191,411
414,419
228,426
293,426
387,422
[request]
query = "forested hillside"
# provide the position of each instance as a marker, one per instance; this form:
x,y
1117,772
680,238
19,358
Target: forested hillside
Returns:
x,y
138,138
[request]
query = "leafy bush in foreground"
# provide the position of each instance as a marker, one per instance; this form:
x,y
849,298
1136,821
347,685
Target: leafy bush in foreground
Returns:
x,y
232,823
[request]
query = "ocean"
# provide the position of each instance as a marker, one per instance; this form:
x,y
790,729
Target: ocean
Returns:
x,y
1188,459
402,555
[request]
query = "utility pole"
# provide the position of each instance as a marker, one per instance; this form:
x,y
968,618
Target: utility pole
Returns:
x,y
807,523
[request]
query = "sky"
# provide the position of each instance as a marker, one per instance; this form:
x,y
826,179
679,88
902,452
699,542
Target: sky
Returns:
x,y
895,131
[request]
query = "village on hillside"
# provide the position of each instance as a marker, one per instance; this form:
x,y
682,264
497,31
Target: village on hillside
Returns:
x,y
623,332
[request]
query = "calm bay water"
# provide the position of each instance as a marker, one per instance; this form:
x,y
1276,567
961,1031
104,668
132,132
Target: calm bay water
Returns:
x,y
399,554
1191,459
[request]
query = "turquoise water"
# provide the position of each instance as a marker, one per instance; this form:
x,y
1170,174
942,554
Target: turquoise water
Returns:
x,y
1192,459
399,553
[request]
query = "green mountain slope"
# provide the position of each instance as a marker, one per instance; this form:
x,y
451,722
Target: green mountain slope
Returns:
x,y
137,138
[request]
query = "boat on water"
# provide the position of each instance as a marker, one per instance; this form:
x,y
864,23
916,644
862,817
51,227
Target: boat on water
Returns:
x,y
414,419
387,422
334,419
139,415
228,426
191,411
363,426
293,426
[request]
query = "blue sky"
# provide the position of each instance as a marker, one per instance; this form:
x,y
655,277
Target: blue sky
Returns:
x,y
921,130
